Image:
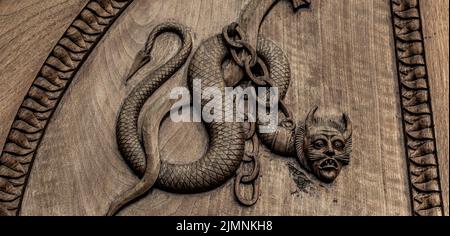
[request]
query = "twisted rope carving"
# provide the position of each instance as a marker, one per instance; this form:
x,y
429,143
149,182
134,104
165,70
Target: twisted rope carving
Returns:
x,y
420,142
44,95
74,47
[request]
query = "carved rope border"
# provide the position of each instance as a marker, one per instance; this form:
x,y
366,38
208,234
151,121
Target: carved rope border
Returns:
x,y
93,22
44,95
417,114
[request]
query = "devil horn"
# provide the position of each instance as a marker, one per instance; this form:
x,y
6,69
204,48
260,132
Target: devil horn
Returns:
x,y
310,118
297,4
348,126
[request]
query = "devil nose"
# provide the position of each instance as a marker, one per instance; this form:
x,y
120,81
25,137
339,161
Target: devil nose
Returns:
x,y
329,152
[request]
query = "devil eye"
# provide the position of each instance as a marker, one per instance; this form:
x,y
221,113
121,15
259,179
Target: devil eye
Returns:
x,y
338,144
319,144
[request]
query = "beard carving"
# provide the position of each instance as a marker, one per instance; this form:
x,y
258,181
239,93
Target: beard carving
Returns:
x,y
323,144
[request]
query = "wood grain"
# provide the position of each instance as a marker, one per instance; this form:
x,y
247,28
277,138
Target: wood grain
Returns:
x,y
28,31
435,28
341,55
43,97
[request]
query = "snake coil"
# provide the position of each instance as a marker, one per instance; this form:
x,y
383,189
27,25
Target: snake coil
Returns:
x,y
227,139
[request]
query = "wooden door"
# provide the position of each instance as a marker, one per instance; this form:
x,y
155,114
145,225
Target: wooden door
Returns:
x,y
63,65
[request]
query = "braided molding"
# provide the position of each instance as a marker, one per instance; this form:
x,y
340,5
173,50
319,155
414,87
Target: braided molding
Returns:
x,y
93,22
44,95
418,126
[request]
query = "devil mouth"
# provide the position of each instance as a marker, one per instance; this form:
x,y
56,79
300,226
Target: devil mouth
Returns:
x,y
328,164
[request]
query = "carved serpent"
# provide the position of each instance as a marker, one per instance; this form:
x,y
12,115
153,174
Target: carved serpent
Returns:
x,y
227,139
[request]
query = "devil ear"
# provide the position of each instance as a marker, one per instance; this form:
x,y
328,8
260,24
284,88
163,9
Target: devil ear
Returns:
x,y
348,126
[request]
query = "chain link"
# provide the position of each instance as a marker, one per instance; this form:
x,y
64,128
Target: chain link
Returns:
x,y
245,56
242,52
288,121
249,176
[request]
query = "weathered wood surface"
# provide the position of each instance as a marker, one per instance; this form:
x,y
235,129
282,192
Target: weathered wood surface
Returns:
x,y
435,29
341,53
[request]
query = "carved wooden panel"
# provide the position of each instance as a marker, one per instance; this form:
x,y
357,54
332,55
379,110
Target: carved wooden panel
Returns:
x,y
377,70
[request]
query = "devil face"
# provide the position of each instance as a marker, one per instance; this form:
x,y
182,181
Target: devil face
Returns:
x,y
325,152
324,145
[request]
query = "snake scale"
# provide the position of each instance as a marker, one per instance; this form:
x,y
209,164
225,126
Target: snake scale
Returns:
x,y
226,139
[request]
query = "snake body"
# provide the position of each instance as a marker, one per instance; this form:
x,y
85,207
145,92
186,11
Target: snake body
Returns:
x,y
227,139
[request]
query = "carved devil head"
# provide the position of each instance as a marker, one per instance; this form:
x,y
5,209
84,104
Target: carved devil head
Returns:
x,y
324,144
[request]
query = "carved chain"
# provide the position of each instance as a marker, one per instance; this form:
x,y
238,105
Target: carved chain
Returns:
x,y
81,39
244,55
